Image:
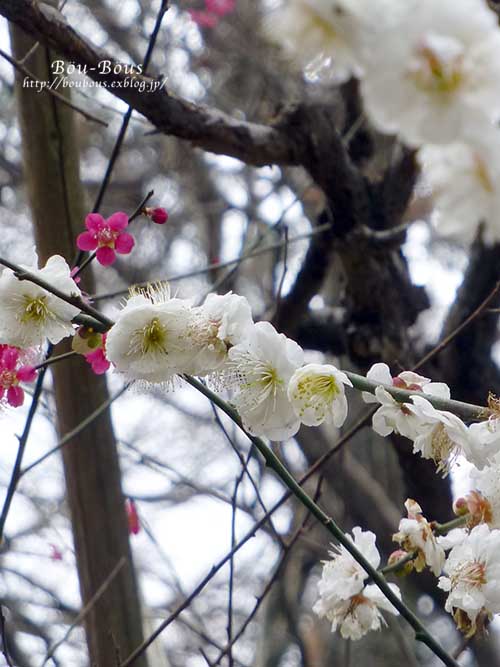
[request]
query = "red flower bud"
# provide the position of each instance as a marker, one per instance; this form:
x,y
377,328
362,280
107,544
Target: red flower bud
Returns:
x,y
158,215
134,525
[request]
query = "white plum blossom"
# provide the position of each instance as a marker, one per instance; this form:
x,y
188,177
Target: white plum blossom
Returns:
x,y
149,340
361,613
343,576
316,392
325,35
220,323
472,578
416,534
435,75
485,439
394,416
344,600
31,314
465,179
259,370
486,503
442,436
381,374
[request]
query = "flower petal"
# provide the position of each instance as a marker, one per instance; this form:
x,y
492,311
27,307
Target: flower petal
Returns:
x,y
94,222
86,241
15,396
117,221
124,243
26,374
9,358
105,256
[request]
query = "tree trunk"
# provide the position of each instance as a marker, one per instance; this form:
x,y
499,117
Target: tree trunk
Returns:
x,y
51,166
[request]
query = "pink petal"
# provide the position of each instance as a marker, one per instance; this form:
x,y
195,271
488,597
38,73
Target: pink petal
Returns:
x,y
26,374
100,366
117,221
124,243
105,256
220,7
86,241
203,19
15,396
9,358
94,222
98,361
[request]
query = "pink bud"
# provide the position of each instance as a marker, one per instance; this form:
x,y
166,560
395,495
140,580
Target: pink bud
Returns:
x,y
158,215
460,507
134,525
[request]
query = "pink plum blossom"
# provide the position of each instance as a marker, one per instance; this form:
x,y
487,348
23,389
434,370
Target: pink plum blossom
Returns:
x,y
204,19
12,372
97,358
220,7
106,237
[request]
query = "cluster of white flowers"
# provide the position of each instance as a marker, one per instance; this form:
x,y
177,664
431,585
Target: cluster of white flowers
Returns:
x,y
437,434
157,337
344,599
429,72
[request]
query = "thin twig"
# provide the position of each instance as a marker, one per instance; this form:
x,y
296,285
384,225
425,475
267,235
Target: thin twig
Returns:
x,y
54,360
44,87
87,608
126,119
221,265
75,431
3,634
421,633
16,471
135,214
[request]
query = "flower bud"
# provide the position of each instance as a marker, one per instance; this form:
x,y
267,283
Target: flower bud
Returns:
x,y
460,506
157,215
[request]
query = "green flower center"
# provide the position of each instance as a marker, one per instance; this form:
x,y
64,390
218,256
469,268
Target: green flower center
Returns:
x,y
153,337
35,310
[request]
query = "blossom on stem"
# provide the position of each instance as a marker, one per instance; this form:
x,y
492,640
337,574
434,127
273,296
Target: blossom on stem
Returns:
x,y
106,237
30,314
472,578
483,502
220,323
435,74
149,340
442,437
316,392
394,416
158,215
415,534
344,600
13,371
259,369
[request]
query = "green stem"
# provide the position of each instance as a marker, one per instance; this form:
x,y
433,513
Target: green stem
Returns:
x,y
465,410
275,464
